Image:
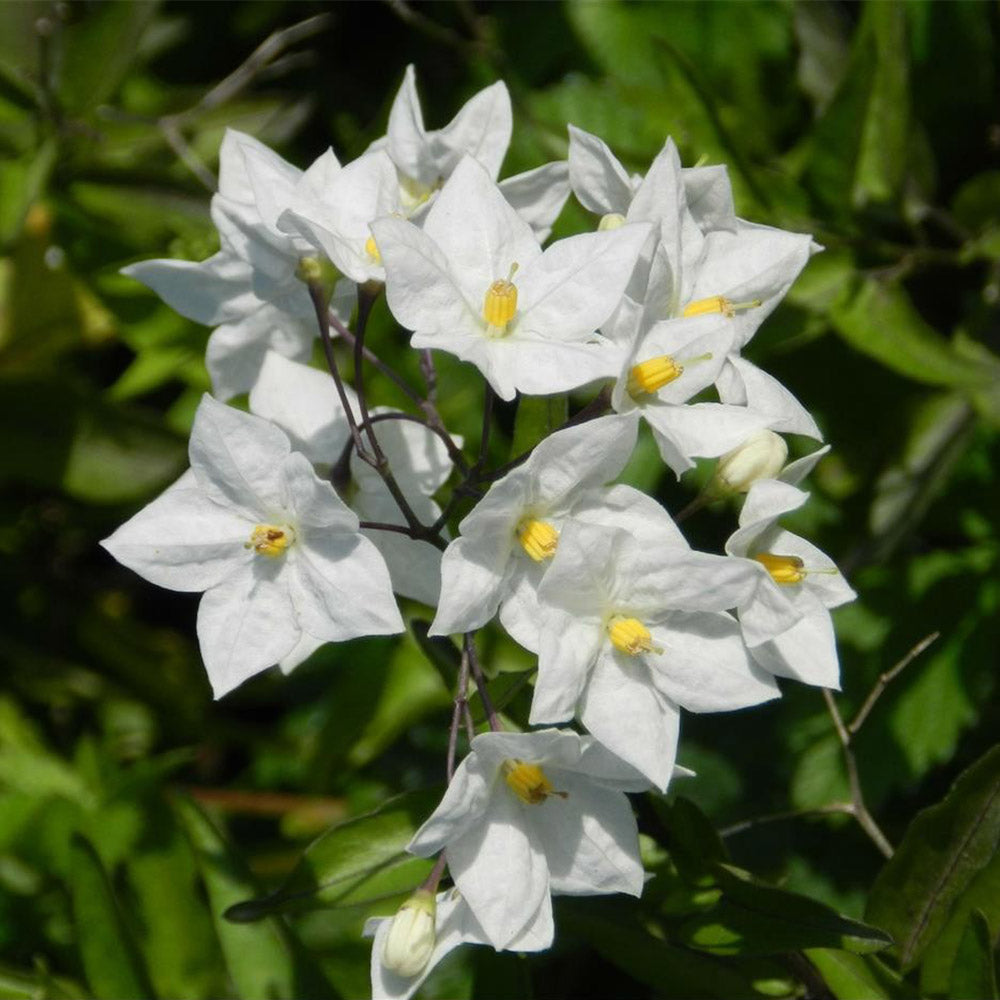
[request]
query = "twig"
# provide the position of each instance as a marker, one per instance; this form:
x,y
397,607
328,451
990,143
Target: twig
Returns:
x,y
460,710
469,646
861,813
415,19
832,808
884,679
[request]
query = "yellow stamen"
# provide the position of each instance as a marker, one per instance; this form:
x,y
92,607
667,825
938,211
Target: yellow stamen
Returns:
x,y
528,782
718,304
783,569
270,540
538,538
649,376
371,248
629,635
613,220
500,304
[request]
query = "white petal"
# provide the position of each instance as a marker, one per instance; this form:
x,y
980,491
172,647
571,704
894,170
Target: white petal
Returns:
x,y
472,575
538,195
182,540
340,587
599,181
303,649
767,500
704,666
806,652
499,871
590,838
237,459
709,197
312,501
796,471
463,806
631,717
246,624
417,456
766,394
576,284
822,576
273,181
569,647
482,129
539,366
303,401
407,138
212,291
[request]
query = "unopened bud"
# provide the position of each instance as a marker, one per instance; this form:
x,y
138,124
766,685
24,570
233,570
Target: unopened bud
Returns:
x,y
761,456
411,937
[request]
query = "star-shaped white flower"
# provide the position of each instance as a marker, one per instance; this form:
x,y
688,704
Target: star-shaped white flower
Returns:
x,y
786,621
633,629
276,551
528,814
506,542
455,925
303,402
250,290
475,282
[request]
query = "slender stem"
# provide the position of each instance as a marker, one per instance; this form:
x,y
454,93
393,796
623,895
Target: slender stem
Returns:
x,y
469,646
701,500
318,296
364,309
460,710
431,882
429,373
484,440
883,682
861,813
832,808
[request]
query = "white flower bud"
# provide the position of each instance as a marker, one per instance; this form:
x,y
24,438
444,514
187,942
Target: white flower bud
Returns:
x,y
411,937
761,456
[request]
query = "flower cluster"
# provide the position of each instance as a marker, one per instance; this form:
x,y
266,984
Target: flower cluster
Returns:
x,y
304,520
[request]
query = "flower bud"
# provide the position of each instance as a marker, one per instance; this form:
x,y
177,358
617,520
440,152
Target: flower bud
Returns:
x,y
761,456
411,937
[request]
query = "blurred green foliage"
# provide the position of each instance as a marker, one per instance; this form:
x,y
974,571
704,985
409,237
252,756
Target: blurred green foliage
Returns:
x,y
123,788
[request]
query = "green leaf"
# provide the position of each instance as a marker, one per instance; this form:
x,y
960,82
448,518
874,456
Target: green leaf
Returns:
x,y
16,984
877,318
857,977
107,949
973,976
943,850
752,918
612,927
263,959
537,417
22,182
337,867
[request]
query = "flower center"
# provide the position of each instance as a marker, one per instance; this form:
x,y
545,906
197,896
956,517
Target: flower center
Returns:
x,y
538,538
718,304
613,220
371,249
783,569
500,304
413,194
629,635
528,782
649,376
270,540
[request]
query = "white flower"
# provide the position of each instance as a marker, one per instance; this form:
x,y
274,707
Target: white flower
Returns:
x,y
785,621
410,941
455,924
668,363
760,456
250,290
508,539
276,551
303,402
475,282
527,814
633,629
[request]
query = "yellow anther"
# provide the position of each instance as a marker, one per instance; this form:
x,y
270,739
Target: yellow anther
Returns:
x,y
270,540
783,569
629,635
649,376
613,220
500,303
538,538
528,782
371,248
718,304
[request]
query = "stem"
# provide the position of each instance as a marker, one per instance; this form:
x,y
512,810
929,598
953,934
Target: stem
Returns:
x,y
469,648
701,500
318,297
460,710
883,682
431,882
861,813
484,440
832,808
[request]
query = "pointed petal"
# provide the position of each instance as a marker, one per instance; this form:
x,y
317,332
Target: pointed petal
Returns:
x,y
472,575
482,129
463,807
538,195
599,181
407,138
766,394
